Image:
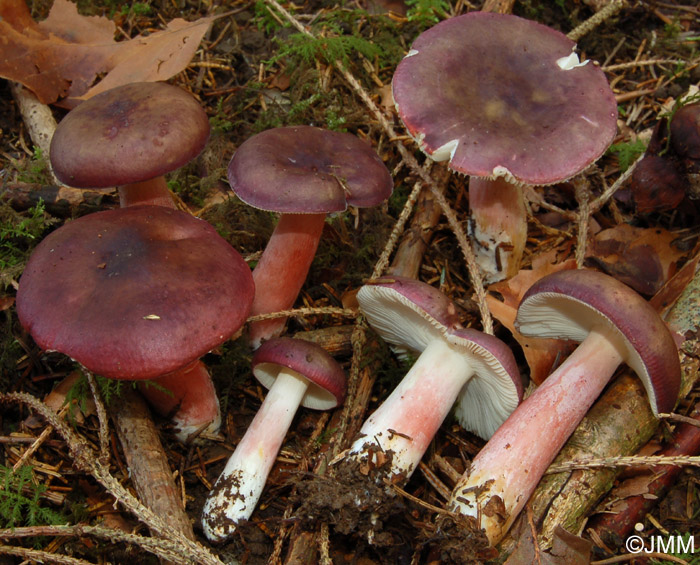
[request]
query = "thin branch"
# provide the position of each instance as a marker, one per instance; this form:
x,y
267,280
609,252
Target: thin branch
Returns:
x,y
627,461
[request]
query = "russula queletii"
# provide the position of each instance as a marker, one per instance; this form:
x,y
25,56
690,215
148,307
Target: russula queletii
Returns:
x,y
130,137
139,293
475,369
297,373
303,173
614,325
507,101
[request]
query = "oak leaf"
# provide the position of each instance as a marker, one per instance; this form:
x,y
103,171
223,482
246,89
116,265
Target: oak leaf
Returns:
x,y
69,57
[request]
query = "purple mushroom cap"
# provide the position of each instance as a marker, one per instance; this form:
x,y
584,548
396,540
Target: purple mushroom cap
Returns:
x,y
134,293
500,95
308,170
327,382
128,134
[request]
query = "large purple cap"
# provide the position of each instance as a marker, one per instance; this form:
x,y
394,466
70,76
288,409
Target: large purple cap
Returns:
x,y
499,95
308,170
128,134
134,293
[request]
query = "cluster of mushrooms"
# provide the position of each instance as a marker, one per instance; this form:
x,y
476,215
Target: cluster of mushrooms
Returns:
x,y
143,291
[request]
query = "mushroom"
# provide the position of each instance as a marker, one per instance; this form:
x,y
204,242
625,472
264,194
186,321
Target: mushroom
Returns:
x,y
476,369
506,101
139,293
614,325
130,136
303,173
296,372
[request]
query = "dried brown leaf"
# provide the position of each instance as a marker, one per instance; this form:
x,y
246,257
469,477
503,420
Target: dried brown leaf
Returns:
x,y
61,58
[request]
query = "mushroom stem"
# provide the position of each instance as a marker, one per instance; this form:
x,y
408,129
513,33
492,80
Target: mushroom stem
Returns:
x,y
237,490
408,419
282,270
154,192
506,471
498,225
189,397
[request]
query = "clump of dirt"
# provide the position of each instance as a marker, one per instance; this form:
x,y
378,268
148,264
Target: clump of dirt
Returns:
x,y
354,499
460,540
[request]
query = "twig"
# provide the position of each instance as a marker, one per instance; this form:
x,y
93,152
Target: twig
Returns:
x,y
84,457
626,461
326,310
595,20
41,556
101,414
153,545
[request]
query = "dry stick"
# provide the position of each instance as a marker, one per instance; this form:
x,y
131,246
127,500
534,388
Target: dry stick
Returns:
x,y
614,527
38,119
148,463
154,545
412,162
101,414
586,27
41,556
619,424
85,459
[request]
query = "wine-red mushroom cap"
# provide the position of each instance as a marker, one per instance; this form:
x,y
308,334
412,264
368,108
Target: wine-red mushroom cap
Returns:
x,y
495,389
134,293
569,304
500,95
685,132
327,382
305,170
128,134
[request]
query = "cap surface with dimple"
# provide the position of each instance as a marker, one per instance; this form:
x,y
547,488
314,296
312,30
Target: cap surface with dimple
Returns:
x,y
135,292
308,170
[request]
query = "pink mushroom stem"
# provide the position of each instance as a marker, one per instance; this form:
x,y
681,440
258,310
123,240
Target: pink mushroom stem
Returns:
x,y
499,225
154,192
408,419
238,488
506,471
282,270
189,397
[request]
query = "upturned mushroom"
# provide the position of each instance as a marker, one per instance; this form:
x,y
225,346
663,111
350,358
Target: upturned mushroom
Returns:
x,y
507,101
139,293
296,372
130,137
614,325
475,369
303,173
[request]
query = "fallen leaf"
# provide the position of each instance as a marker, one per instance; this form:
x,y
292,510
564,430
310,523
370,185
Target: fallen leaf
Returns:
x,y
642,258
61,58
541,354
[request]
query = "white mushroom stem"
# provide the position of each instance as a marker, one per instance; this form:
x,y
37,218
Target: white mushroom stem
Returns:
x,y
237,490
408,419
506,471
282,270
498,225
